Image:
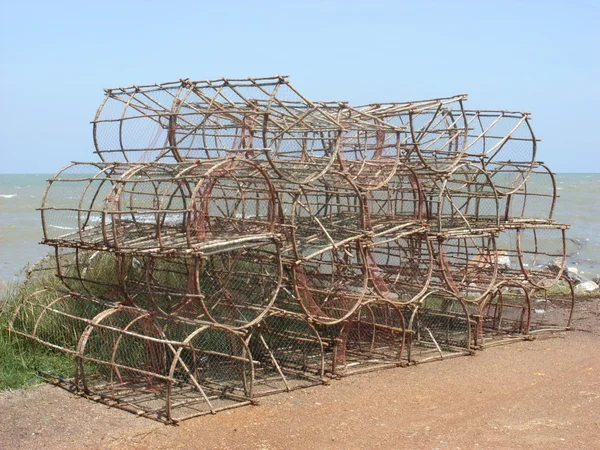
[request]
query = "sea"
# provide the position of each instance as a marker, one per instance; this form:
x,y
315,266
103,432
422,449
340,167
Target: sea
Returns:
x,y
21,232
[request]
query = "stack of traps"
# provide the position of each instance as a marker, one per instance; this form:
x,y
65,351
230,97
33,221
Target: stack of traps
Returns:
x,y
237,239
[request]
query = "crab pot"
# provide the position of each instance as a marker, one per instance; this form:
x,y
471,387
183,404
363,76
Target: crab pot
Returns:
x,y
326,213
373,338
400,267
543,252
504,145
435,133
237,288
466,265
268,120
465,198
190,120
400,200
153,208
371,157
54,318
73,203
535,199
162,368
102,274
331,285
503,316
439,327
288,353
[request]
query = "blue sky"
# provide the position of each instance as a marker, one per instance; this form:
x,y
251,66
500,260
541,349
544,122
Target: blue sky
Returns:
x,y
537,56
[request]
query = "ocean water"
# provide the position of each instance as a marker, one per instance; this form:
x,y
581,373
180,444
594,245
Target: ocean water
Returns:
x,y
579,205
20,224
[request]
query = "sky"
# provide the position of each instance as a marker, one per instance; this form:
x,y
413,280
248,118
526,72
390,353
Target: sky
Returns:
x,y
538,56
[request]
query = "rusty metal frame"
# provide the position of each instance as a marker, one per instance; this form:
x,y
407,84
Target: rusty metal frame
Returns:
x,y
237,219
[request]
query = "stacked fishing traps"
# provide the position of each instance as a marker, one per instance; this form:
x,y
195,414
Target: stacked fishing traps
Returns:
x,y
237,240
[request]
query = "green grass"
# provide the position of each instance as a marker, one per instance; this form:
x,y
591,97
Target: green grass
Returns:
x,y
21,359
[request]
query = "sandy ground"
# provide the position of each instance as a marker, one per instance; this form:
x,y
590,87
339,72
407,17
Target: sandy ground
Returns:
x,y
539,394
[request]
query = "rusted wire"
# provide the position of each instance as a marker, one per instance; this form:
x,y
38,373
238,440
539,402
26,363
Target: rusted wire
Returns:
x,y
238,239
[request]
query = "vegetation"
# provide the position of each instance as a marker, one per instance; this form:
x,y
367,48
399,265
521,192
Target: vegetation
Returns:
x,y
21,359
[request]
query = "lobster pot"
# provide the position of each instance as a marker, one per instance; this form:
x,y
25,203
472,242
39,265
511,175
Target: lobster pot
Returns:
x,y
440,137
400,267
246,116
102,274
503,316
323,253
504,145
73,203
107,205
399,202
440,327
534,201
373,338
234,199
436,130
159,283
543,253
162,368
236,288
163,283
553,309
149,208
186,120
268,120
192,120
134,124
288,352
53,318
371,157
301,154
325,213
465,198
331,285
467,265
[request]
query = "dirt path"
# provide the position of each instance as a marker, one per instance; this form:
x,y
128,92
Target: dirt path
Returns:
x,y
540,394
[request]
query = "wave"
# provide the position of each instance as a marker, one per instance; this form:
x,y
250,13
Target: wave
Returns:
x,y
62,228
8,195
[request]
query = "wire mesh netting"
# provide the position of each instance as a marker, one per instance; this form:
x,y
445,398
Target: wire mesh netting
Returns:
x,y
237,239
